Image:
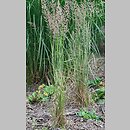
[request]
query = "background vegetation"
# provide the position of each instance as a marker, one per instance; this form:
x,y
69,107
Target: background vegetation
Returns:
x,y
39,34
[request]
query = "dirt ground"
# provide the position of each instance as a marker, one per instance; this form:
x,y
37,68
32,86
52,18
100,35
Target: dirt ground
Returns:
x,y
39,116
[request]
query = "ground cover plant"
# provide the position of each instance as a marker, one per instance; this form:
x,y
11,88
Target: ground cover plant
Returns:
x,y
42,94
61,38
88,115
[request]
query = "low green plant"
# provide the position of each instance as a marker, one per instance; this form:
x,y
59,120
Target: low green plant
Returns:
x,y
99,95
49,90
42,94
88,115
45,128
95,82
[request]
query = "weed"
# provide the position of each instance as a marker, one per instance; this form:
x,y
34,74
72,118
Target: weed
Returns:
x,y
42,94
45,128
96,82
88,115
99,95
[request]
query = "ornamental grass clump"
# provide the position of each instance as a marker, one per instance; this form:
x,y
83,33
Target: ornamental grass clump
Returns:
x,y
59,40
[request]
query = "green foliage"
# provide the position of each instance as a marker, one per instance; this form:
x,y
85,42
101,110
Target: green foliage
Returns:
x,y
62,2
49,89
99,95
79,50
59,79
52,57
94,82
44,128
37,42
42,94
88,115
97,20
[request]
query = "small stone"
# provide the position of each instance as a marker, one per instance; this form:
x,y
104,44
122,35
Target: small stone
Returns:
x,y
81,119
